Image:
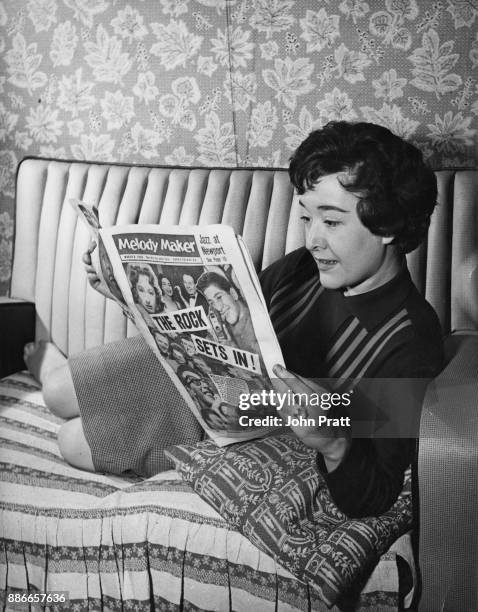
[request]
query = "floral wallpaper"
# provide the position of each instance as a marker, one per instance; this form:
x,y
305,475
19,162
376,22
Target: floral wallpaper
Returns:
x,y
228,82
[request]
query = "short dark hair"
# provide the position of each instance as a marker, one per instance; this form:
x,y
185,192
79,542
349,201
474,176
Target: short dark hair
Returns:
x,y
161,277
397,189
213,278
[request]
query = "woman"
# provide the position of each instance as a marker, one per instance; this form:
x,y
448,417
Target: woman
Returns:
x,y
343,307
171,299
144,287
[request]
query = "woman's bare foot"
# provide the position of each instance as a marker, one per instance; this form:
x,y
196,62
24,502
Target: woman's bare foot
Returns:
x,y
41,358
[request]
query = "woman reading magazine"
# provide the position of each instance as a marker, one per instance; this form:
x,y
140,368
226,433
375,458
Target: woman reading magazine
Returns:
x,y
344,309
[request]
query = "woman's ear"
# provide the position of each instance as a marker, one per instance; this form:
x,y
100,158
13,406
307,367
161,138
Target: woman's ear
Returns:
x,y
387,239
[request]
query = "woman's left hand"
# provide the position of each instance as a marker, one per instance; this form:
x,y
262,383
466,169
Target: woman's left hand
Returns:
x,y
331,441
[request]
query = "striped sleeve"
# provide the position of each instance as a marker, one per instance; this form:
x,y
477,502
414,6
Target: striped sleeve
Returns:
x,y
369,479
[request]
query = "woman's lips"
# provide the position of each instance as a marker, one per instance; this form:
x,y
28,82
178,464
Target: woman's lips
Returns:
x,y
325,264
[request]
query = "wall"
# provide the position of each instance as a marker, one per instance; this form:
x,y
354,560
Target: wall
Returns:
x,y
228,82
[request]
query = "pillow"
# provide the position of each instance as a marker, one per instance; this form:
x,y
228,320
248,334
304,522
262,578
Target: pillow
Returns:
x,y
270,490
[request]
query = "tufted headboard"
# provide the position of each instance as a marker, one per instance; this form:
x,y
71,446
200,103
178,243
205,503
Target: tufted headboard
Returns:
x,y
257,203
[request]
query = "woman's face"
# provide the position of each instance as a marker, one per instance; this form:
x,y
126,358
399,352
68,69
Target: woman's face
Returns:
x,y
347,254
166,286
162,342
146,293
188,346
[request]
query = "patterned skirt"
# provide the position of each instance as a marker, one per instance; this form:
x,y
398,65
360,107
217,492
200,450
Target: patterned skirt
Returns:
x,y
131,411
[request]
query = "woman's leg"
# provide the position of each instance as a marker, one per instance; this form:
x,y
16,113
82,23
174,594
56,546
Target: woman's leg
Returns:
x,y
50,367
59,393
73,445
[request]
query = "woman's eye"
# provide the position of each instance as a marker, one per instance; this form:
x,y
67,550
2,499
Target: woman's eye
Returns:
x,y
331,222
305,219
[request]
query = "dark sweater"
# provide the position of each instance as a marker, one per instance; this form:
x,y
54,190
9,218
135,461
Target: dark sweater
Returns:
x,y
363,342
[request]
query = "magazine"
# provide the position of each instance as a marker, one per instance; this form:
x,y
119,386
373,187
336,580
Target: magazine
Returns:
x,y
194,295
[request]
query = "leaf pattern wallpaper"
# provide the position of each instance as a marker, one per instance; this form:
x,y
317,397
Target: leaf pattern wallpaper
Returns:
x,y
228,82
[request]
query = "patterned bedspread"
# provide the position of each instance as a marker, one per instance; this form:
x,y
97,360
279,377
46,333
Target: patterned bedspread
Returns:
x,y
117,543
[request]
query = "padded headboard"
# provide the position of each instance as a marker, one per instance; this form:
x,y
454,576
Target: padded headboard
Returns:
x,y
257,203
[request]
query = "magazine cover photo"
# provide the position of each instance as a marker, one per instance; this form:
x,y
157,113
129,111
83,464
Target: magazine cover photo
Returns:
x,y
197,314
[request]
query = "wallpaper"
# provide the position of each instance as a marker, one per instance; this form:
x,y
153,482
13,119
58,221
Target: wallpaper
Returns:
x,y
228,82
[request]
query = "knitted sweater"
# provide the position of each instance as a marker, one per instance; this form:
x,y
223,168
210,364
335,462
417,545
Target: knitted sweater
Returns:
x,y
385,344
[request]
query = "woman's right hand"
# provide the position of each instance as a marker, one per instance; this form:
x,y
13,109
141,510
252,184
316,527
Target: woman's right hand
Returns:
x,y
92,275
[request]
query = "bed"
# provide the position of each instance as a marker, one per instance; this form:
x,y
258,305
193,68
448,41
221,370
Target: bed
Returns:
x,y
128,543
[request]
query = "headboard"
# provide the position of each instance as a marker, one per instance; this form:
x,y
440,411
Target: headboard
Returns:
x,y
257,203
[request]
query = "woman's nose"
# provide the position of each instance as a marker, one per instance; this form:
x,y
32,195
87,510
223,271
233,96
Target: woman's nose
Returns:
x,y
315,238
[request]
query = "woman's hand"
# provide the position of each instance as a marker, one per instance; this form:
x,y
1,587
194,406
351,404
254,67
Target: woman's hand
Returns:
x,y
331,442
179,294
93,278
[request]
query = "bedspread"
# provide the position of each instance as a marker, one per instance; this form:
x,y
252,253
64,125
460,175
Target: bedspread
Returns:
x,y
127,543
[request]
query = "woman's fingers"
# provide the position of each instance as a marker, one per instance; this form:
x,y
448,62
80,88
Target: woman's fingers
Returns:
x,y
86,257
292,405
94,281
92,275
297,384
